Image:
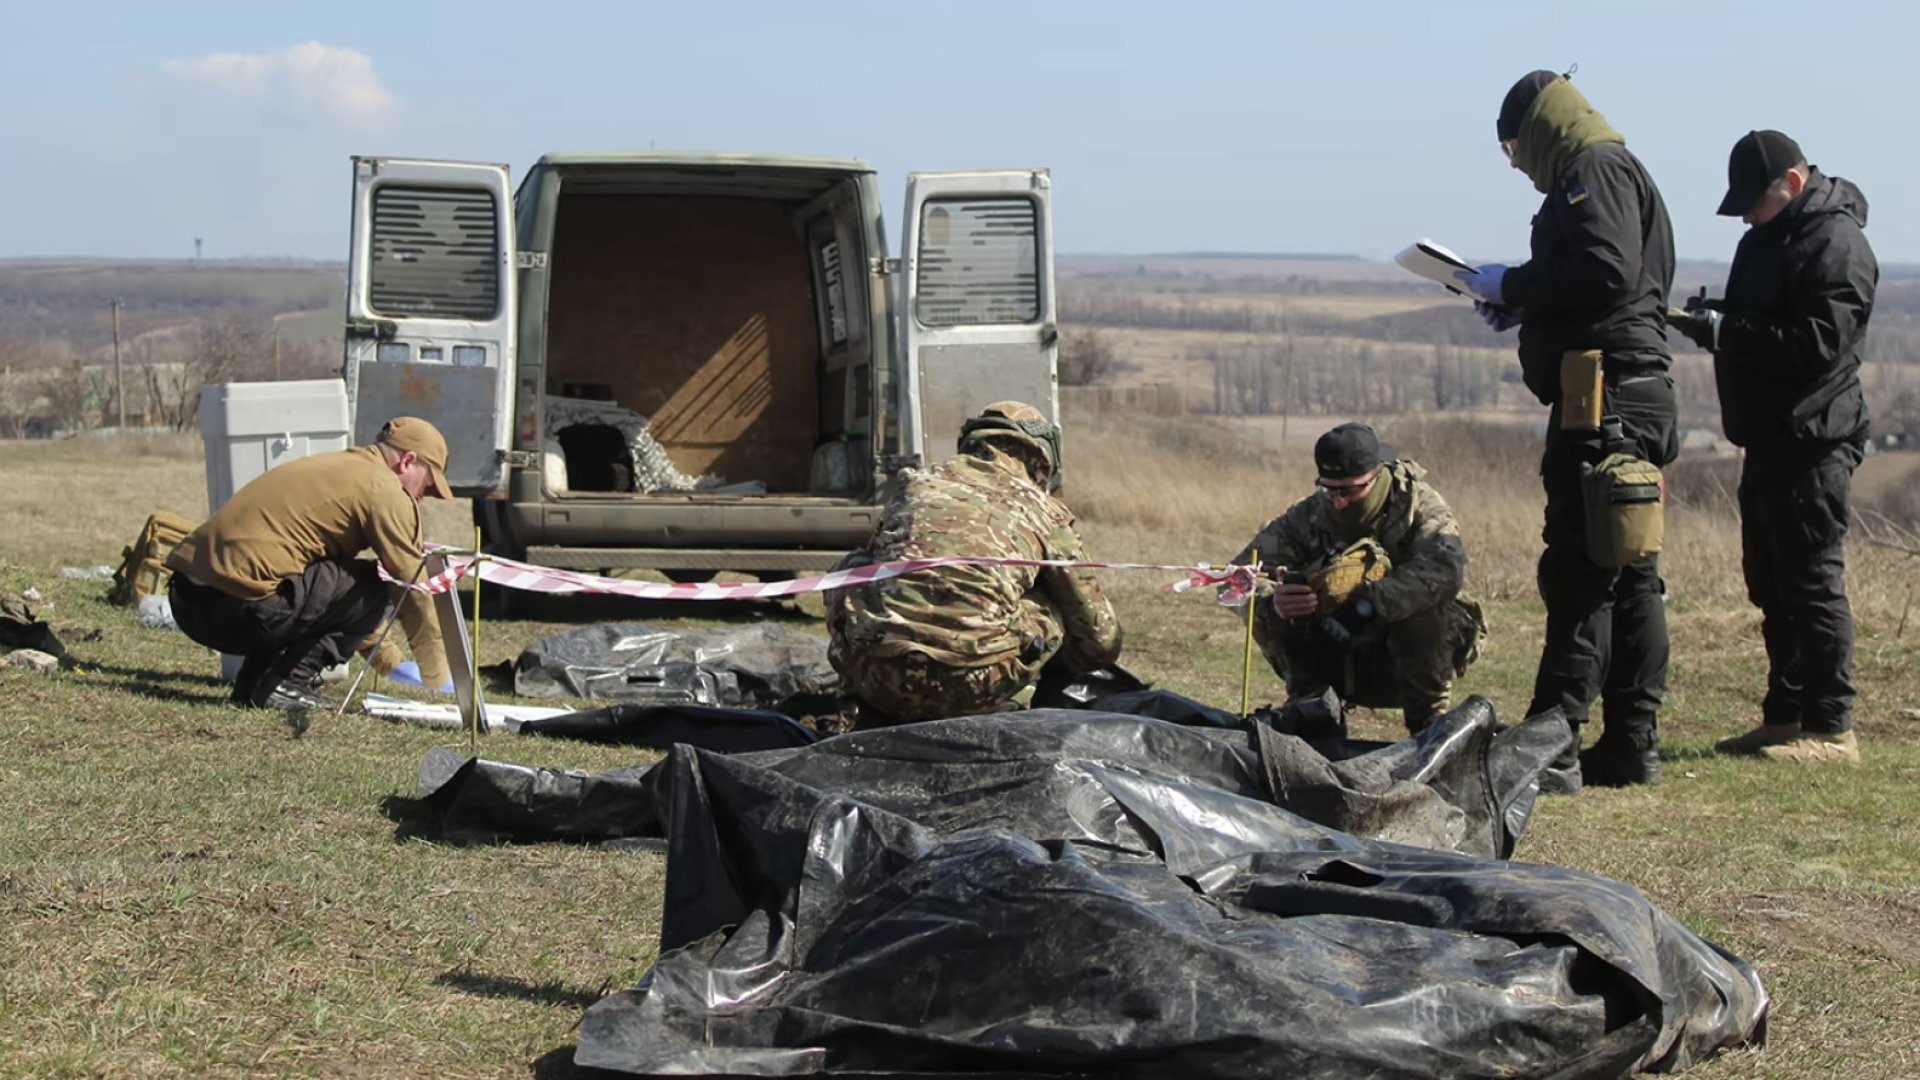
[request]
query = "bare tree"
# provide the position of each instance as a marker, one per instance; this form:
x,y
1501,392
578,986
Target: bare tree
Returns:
x,y
229,350
72,397
22,373
1087,358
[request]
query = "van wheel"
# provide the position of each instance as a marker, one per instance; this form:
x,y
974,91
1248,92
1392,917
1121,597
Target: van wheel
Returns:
x,y
688,577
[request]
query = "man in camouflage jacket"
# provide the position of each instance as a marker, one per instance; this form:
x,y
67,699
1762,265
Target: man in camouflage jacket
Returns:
x,y
1394,640
962,640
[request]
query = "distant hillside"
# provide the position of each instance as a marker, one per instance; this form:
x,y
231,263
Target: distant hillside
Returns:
x,y
71,301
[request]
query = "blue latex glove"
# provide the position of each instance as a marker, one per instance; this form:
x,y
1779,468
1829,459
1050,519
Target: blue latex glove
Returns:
x,y
1485,282
407,673
1498,319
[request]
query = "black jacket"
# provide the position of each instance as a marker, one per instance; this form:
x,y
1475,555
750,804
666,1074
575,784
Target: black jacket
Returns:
x,y
1601,268
1798,297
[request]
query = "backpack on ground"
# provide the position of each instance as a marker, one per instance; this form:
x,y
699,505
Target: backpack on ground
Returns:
x,y
143,565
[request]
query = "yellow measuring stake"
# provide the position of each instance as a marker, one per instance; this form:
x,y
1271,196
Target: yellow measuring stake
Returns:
x,y
473,650
1246,663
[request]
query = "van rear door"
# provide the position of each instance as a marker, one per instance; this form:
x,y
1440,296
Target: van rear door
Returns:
x,y
979,319
431,308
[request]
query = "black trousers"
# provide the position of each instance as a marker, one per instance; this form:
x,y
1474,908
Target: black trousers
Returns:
x,y
312,621
1606,634
1409,665
1794,510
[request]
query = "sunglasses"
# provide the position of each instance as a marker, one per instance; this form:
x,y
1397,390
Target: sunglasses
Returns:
x,y
1348,490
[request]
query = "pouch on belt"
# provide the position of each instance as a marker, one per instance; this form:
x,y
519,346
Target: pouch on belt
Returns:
x,y
1625,503
1582,390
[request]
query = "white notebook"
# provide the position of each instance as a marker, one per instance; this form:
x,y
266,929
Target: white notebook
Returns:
x,y
1437,264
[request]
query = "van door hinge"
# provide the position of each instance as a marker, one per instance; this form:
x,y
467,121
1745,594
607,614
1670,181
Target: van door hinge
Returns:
x,y
519,459
377,329
879,266
530,260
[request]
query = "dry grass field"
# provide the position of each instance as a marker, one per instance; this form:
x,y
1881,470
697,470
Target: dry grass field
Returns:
x,y
188,889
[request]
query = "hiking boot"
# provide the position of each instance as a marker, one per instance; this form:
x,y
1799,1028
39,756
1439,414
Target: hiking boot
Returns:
x,y
1562,774
1816,748
1762,736
293,695
1620,764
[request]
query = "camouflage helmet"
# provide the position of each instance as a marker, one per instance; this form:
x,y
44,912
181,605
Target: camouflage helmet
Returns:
x,y
1021,424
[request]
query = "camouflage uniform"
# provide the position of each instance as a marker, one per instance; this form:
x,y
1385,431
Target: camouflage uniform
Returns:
x,y
1428,629
961,640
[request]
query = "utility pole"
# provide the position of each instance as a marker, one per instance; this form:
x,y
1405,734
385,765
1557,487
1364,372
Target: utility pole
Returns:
x,y
276,348
196,250
119,386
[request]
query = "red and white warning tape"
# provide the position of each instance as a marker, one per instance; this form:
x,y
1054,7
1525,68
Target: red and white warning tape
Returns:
x,y
527,577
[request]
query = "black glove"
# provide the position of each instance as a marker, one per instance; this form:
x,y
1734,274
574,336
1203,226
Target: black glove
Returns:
x,y
1701,325
1700,302
1349,622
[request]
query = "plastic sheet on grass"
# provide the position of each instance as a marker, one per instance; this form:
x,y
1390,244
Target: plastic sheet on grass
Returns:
x,y
748,667
1101,893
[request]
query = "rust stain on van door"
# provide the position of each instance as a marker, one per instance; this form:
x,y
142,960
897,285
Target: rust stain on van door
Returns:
x,y
417,391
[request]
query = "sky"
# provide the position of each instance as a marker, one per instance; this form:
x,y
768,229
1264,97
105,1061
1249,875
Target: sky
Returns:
x,y
130,129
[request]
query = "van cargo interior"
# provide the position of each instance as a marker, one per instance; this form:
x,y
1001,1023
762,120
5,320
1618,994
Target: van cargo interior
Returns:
x,y
718,329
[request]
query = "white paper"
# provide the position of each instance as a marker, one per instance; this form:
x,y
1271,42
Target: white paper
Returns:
x,y
1437,264
429,714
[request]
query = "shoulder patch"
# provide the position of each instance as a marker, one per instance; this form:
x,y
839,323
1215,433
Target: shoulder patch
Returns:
x,y
1576,196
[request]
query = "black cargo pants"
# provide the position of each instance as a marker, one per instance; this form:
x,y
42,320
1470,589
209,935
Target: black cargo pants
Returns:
x,y
1409,664
1794,510
1606,634
311,622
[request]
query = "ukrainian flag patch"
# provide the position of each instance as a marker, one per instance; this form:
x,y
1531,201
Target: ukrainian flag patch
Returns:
x,y
1576,196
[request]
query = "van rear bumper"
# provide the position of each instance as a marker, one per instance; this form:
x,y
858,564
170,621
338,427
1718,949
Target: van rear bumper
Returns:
x,y
827,525
747,560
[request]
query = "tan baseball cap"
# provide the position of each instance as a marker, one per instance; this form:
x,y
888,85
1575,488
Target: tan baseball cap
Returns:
x,y
406,433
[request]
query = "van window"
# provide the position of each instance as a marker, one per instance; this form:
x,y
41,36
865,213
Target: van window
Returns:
x,y
979,262
829,255
435,253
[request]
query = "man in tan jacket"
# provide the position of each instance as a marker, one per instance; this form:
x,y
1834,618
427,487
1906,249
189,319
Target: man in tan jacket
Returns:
x,y
272,576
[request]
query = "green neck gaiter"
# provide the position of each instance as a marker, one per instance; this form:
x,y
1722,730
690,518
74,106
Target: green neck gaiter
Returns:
x,y
1360,518
1560,125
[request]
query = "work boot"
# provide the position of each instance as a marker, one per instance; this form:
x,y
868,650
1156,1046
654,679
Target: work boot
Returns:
x,y
1753,741
1816,748
1562,775
1621,762
293,695
293,670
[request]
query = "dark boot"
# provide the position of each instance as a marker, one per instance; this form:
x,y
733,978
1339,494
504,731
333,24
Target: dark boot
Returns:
x,y
1562,776
1622,759
286,680
291,697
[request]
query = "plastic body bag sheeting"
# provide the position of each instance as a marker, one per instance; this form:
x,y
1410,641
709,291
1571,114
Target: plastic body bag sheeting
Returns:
x,y
659,727
1109,909
750,667
1463,785
1095,893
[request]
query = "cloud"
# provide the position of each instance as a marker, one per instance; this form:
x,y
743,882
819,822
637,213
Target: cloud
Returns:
x,y
337,82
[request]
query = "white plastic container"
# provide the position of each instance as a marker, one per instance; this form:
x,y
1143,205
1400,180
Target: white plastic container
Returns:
x,y
249,428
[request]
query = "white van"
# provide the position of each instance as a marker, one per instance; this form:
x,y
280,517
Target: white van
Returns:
x,y
691,362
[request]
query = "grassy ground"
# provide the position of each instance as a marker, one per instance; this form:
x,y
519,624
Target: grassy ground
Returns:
x,y
186,888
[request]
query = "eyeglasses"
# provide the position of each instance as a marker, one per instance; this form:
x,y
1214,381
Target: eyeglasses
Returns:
x,y
1350,490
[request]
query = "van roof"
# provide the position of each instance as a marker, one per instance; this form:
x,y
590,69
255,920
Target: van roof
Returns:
x,y
702,157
